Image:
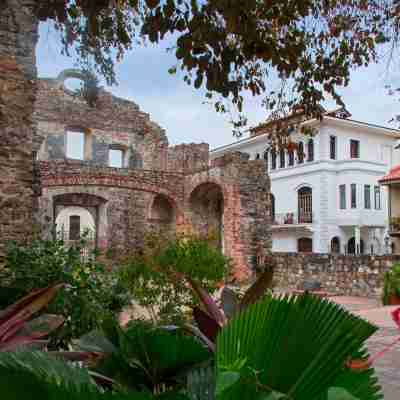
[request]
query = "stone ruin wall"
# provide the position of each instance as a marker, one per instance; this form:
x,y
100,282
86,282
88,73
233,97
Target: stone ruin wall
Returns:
x,y
167,189
337,274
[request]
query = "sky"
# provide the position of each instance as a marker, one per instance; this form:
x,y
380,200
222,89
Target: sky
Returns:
x,y
178,108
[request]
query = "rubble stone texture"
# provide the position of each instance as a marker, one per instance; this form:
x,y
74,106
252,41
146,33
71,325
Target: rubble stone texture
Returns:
x,y
338,274
18,35
159,188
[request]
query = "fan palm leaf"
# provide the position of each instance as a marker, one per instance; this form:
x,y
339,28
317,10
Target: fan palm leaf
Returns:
x,y
297,346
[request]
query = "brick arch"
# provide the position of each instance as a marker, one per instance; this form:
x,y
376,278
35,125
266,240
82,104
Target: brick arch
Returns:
x,y
117,181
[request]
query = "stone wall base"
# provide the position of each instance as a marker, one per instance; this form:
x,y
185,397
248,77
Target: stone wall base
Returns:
x,y
337,274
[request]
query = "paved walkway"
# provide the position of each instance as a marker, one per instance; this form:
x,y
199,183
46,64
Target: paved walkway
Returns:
x,y
388,366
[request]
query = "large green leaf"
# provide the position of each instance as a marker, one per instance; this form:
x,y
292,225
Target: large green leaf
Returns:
x,y
144,357
296,346
38,376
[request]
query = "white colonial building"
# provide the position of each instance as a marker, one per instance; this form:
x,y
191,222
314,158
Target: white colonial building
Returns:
x,y
326,195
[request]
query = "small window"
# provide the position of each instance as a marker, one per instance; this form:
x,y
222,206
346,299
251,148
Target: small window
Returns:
x,y
310,150
116,158
281,158
367,197
74,227
353,193
273,159
377,192
342,195
291,158
354,148
75,143
257,156
332,147
300,153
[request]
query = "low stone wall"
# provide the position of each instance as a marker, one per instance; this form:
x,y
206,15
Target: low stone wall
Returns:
x,y
337,274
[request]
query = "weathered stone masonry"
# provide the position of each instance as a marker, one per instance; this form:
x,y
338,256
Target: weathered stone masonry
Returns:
x,y
18,35
338,274
170,189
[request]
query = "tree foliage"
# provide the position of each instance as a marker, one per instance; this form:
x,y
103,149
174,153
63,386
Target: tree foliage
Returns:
x,y
233,47
156,275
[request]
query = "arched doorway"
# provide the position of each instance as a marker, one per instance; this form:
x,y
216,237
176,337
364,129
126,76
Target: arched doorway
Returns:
x,y
335,245
351,246
207,209
304,196
162,215
304,245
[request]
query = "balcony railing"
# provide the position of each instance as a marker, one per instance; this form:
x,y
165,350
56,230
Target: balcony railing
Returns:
x,y
292,218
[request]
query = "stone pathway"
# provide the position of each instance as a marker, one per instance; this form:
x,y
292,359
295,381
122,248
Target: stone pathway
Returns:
x,y
388,366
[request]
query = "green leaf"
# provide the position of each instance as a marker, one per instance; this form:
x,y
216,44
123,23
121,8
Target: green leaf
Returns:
x,y
225,380
298,346
337,393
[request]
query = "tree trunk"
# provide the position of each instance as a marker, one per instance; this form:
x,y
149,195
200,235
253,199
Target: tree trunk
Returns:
x,y
18,37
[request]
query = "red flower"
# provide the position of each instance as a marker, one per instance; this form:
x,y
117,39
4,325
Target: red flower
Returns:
x,y
396,316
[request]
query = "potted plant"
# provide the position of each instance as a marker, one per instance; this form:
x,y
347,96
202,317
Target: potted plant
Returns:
x,y
391,286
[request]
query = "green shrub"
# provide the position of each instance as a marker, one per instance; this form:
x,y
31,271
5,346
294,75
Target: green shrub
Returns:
x,y
151,277
391,284
90,294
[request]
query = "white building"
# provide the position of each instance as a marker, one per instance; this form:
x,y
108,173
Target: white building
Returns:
x,y
329,199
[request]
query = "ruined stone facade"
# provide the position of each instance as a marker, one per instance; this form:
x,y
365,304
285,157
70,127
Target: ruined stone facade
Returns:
x,y
18,35
155,187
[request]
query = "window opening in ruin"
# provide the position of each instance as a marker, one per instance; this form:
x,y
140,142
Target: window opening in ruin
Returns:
x,y
75,145
116,158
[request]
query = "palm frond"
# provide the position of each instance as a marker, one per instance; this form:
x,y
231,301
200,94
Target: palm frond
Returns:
x,y
297,346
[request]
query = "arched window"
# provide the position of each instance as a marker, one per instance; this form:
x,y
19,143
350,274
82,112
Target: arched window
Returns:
x,y
282,158
351,246
266,160
335,245
310,150
305,205
305,245
273,159
300,153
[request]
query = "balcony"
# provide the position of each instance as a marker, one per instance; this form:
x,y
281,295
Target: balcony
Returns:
x,y
292,220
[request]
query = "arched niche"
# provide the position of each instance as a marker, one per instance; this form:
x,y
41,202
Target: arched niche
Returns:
x,y
206,204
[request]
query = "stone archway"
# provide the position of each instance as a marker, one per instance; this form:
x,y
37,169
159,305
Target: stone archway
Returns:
x,y
206,204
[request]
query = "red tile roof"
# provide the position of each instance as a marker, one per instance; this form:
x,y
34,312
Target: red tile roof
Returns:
x,y
393,175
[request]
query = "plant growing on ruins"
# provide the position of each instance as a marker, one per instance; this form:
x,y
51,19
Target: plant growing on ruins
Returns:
x,y
89,294
153,275
391,286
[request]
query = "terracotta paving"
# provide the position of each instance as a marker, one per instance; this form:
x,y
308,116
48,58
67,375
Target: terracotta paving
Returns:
x,y
388,366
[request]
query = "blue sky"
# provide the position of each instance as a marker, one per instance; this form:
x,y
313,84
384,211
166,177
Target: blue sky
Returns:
x,y
143,77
